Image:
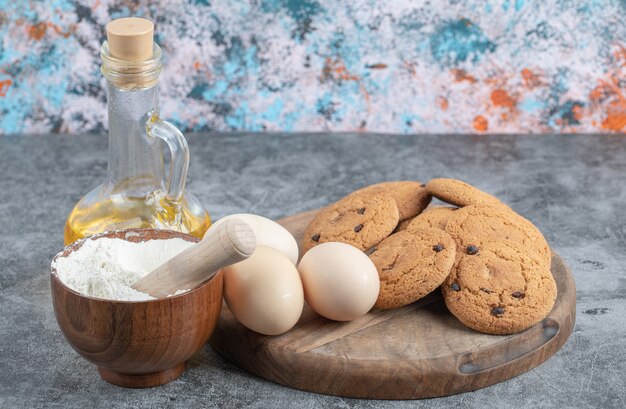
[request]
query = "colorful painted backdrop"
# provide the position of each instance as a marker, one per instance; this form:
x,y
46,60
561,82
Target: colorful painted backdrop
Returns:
x,y
312,65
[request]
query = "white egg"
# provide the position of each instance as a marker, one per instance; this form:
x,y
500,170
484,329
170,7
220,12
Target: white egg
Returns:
x,y
264,292
268,233
340,282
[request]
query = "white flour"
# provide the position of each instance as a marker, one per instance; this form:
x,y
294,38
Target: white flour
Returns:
x,y
106,268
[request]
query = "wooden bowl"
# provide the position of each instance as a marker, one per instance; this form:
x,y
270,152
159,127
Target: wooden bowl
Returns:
x,y
137,344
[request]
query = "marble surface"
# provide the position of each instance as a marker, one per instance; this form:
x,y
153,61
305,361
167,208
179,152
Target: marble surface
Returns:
x,y
464,66
572,187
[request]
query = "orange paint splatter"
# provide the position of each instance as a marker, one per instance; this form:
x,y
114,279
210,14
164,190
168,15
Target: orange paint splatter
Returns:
x,y
531,80
615,113
196,65
577,111
4,87
38,31
480,123
501,98
443,103
608,96
366,95
462,75
495,81
59,30
599,93
615,120
336,70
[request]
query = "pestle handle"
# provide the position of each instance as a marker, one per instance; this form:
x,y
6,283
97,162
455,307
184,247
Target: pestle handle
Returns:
x,y
228,243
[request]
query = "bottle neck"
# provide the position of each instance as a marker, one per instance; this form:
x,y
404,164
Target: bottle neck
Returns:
x,y
135,158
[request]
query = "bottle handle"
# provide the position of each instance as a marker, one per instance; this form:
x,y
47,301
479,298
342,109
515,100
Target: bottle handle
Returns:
x,y
175,140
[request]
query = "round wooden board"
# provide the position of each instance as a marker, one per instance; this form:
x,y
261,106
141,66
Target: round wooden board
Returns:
x,y
418,351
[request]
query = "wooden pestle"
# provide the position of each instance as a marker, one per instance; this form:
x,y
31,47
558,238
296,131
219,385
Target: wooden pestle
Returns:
x,y
226,244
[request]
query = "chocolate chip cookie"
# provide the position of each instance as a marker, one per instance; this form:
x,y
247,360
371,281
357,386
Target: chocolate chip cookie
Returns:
x,y
500,289
356,220
459,193
412,264
411,197
471,226
436,217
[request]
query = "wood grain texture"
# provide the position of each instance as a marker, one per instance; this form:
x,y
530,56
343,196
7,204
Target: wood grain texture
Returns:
x,y
137,344
417,351
225,244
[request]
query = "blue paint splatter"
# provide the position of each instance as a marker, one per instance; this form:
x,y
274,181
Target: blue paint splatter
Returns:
x,y
274,111
238,119
297,9
408,120
565,114
459,41
325,106
531,104
197,90
120,13
215,91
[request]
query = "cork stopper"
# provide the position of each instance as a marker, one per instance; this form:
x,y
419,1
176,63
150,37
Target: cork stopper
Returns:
x,y
130,38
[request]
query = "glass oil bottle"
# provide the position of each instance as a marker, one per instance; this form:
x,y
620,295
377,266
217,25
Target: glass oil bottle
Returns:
x,y
136,192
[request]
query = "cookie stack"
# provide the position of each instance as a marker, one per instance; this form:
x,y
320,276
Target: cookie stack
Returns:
x,y
492,264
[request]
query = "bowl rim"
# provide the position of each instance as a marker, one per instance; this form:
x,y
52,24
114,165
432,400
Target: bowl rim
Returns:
x,y
54,275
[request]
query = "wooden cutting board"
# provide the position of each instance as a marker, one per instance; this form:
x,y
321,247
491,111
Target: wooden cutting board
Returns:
x,y
417,351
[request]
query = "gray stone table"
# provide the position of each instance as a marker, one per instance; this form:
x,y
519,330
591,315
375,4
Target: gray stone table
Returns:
x,y
572,187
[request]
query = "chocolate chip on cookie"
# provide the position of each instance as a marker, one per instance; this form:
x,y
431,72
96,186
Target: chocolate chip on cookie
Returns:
x,y
497,311
518,294
438,247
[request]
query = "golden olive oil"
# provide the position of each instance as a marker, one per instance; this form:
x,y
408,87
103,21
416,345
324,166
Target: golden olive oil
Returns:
x,y
124,213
